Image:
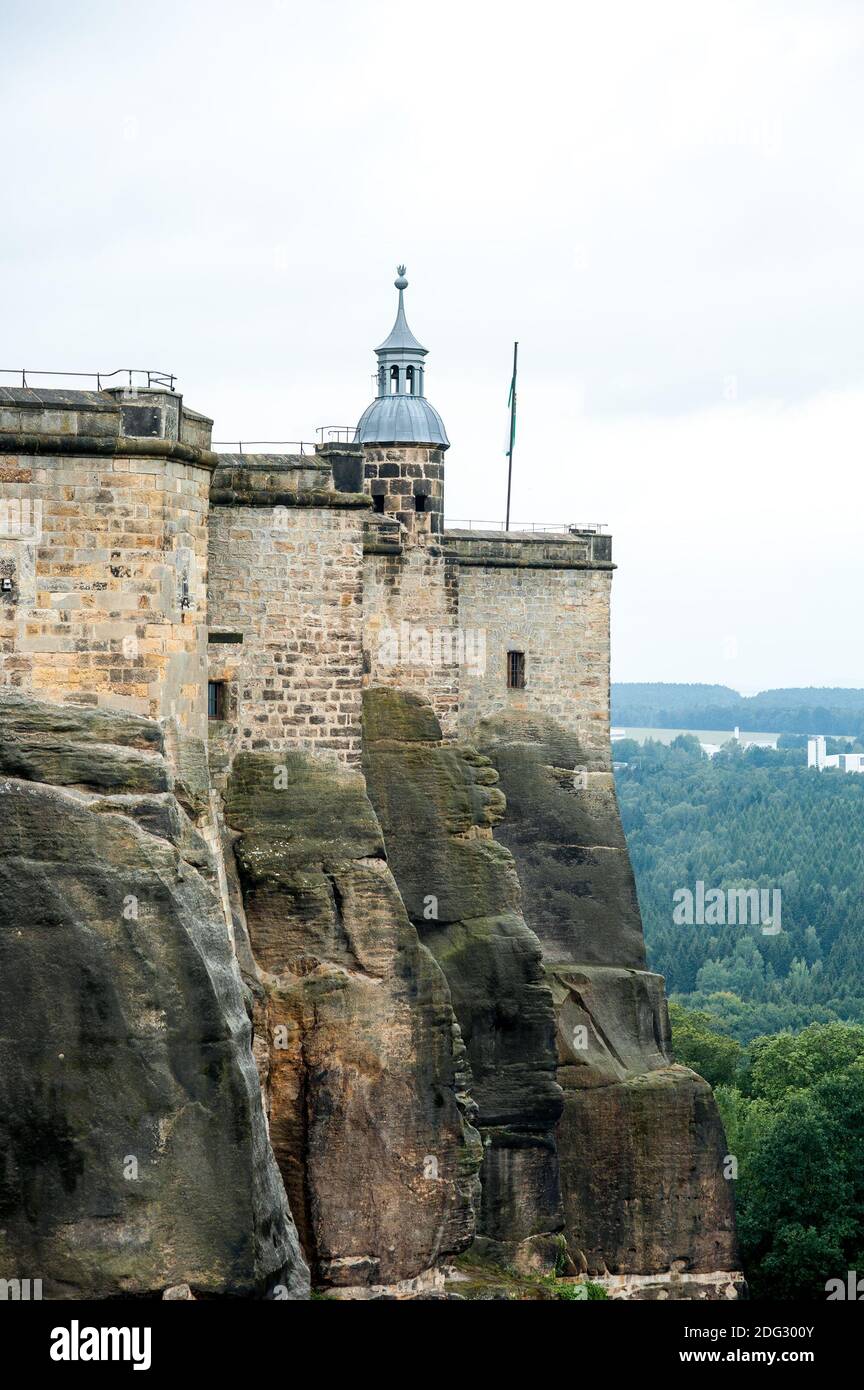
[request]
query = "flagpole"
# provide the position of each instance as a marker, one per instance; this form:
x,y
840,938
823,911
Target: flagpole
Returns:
x,y
512,434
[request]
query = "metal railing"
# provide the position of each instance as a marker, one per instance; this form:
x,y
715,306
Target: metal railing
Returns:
x,y
255,446
327,434
336,434
136,376
571,527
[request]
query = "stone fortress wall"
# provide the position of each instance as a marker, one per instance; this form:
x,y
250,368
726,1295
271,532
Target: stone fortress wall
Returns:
x,y
411,625
311,594
103,550
548,598
286,606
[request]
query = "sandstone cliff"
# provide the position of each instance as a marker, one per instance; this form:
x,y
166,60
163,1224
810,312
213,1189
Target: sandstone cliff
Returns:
x,y
457,1041
437,804
363,1065
640,1141
133,1145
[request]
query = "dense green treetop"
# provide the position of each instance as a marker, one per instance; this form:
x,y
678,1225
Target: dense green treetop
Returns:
x,y
749,818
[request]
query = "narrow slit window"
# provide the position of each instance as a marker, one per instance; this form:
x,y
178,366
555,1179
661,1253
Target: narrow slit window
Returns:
x,y
515,670
420,501
216,702
378,503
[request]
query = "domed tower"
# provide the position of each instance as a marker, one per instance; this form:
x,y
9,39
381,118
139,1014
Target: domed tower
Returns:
x,y
403,436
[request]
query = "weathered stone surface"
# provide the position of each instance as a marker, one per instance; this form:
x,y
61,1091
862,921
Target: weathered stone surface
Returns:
x,y
134,1147
462,893
564,831
179,1293
522,593
94,766
163,816
641,1173
504,1007
288,581
191,774
611,1023
35,719
678,1284
400,716
640,1142
108,604
365,1068
410,618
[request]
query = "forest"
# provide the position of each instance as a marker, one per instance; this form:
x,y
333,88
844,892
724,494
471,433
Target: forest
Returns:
x,y
773,1019
793,1109
749,818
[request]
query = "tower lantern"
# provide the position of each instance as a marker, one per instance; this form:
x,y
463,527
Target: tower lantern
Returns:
x,y
400,414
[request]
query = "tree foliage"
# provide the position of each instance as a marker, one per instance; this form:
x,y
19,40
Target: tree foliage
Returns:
x,y
794,1120
698,1045
749,818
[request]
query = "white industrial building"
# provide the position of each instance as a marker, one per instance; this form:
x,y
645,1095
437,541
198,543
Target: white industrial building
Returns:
x,y
818,758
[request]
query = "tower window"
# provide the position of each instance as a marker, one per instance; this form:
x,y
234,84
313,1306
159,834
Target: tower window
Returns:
x,y
420,501
216,699
409,380
378,503
394,381
515,670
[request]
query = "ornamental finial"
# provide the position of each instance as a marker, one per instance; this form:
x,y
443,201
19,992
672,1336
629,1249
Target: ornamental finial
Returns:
x,y
401,282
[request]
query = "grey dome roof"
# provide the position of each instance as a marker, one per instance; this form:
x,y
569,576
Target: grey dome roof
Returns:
x,y
401,420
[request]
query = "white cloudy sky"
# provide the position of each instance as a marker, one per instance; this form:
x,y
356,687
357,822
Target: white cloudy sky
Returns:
x,y
662,201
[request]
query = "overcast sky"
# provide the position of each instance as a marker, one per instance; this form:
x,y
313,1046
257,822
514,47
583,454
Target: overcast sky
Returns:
x,y
662,201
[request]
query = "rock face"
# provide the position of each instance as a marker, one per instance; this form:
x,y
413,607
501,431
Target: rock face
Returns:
x,y
642,1165
455,1034
133,1145
363,1066
640,1142
437,805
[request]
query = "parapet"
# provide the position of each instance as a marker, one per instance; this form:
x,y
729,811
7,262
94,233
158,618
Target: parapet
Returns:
x,y
571,548
117,421
278,480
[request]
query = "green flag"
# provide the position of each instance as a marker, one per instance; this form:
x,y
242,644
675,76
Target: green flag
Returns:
x,y
512,404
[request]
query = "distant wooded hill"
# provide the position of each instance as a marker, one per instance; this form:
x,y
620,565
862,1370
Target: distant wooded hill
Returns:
x,y
803,710
760,818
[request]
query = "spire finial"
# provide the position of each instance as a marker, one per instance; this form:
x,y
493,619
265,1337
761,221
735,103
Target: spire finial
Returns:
x,y
401,283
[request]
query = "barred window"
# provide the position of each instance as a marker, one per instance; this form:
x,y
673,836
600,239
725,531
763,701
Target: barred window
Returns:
x,y
515,670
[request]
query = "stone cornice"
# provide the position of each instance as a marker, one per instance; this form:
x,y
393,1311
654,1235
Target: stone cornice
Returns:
x,y
106,446
585,550
274,497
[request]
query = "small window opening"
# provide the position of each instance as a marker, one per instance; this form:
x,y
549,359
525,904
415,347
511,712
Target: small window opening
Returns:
x,y
409,380
394,381
378,503
216,699
515,670
420,501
